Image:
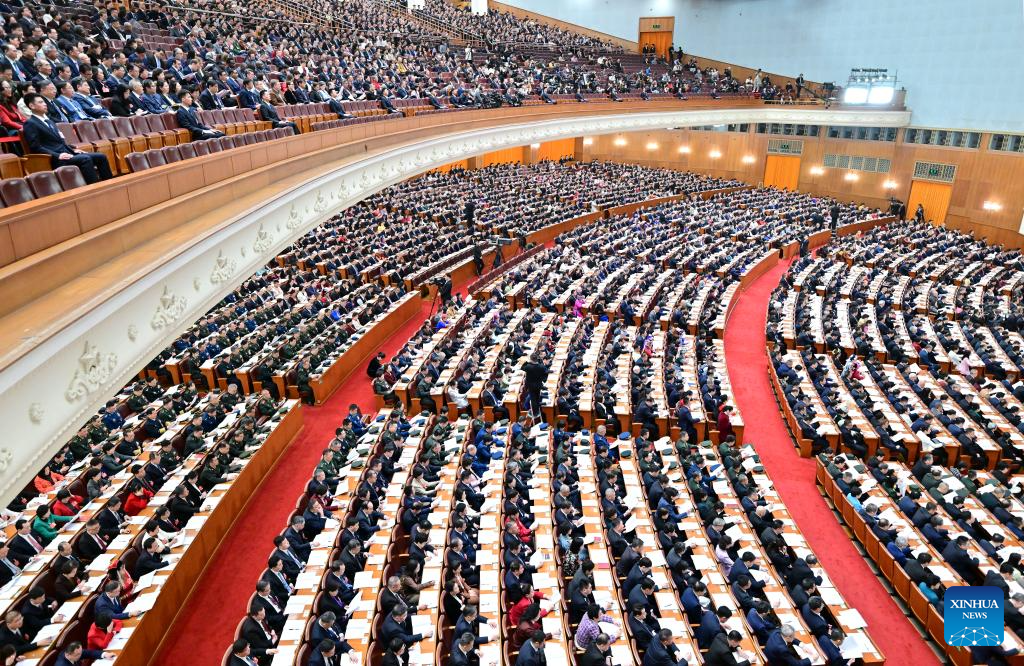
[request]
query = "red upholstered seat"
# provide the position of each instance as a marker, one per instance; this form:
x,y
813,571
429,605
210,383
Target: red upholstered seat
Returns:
x,y
171,154
15,191
137,162
69,177
187,151
44,183
155,158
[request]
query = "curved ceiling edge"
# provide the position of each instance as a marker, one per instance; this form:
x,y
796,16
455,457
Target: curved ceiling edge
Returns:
x,y
52,389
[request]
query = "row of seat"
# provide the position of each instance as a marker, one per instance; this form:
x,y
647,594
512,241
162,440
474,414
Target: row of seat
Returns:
x,y
116,137
335,124
140,161
40,184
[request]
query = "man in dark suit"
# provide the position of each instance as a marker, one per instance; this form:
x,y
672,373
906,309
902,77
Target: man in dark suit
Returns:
x,y
24,545
150,559
325,629
91,543
469,623
42,136
323,654
334,103
73,655
532,652
813,618
598,653
723,650
830,648
8,567
463,651
262,639
398,625
274,575
110,602
187,119
249,97
272,606
209,99
240,654
780,648
643,626
663,651
269,114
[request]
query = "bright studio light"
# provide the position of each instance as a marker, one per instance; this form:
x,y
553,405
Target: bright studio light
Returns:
x,y
684,150
817,171
992,206
748,159
881,94
855,95
851,177
619,141
652,145
588,141
889,184
715,154
535,146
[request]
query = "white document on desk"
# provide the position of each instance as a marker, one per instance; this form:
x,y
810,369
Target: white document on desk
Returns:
x,y
143,602
285,655
851,619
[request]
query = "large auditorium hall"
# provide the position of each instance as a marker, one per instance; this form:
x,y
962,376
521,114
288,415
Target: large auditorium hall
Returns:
x,y
520,333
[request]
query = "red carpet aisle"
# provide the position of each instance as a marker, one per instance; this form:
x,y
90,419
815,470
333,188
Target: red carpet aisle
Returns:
x,y
205,627
794,478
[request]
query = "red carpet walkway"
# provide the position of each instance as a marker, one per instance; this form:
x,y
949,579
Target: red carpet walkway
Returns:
x,y
205,626
793,476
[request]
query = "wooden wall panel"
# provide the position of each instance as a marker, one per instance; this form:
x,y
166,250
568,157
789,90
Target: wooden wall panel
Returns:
x,y
556,150
932,197
782,171
503,156
660,40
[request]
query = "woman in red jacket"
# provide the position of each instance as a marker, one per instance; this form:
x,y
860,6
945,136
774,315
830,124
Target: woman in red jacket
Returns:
x,y
10,117
46,480
66,503
137,501
102,631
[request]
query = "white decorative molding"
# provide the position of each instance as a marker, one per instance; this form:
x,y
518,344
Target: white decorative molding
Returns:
x,y
263,241
94,369
223,269
6,456
211,264
36,412
171,307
